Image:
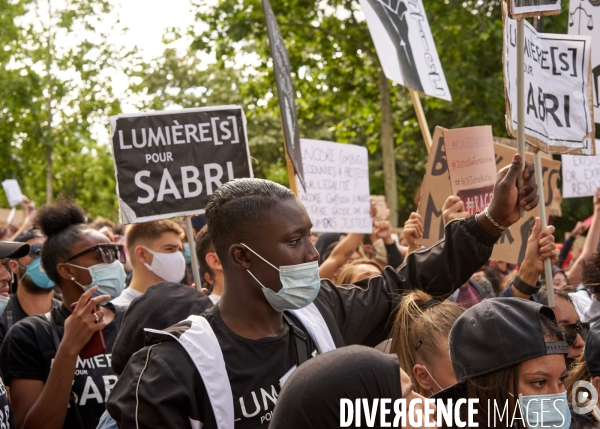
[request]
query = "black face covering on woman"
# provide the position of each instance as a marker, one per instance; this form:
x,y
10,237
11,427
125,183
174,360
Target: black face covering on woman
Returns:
x,y
311,396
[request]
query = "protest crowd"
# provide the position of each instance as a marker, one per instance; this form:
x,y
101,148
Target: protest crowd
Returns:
x,y
286,323
218,300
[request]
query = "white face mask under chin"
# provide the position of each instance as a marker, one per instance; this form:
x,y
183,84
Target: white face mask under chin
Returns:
x,y
168,266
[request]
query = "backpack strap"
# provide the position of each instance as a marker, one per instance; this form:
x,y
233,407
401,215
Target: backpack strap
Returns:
x,y
56,341
300,341
53,330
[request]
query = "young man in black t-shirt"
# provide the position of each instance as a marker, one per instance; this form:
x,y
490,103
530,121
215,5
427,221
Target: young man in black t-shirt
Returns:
x,y
35,291
261,233
7,250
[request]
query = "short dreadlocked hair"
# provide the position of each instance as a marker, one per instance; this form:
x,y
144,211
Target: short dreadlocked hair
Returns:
x,y
236,207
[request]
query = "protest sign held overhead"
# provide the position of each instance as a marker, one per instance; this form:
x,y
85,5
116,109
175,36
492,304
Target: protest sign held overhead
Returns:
x,y
13,192
405,45
584,20
472,168
285,92
558,90
337,186
530,8
437,187
580,175
168,163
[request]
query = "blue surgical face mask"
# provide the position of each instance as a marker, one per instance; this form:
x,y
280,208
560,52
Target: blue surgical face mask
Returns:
x,y
3,303
546,411
300,285
37,274
186,253
110,278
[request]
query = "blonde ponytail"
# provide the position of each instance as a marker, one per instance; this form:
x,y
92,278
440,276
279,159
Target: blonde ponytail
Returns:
x,y
422,325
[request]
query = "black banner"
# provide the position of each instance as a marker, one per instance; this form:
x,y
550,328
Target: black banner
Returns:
x,y
285,91
168,163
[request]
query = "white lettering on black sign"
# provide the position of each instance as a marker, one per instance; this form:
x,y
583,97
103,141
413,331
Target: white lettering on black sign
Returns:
x,y
168,163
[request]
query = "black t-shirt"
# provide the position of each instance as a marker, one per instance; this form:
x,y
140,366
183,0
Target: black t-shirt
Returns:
x,y
6,417
256,369
355,314
28,352
12,314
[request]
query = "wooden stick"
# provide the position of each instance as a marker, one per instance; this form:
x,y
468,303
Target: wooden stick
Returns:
x,y
192,243
521,100
291,173
414,95
539,178
289,165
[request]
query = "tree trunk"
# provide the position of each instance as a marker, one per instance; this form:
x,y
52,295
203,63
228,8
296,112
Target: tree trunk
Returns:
x,y
49,175
387,149
49,172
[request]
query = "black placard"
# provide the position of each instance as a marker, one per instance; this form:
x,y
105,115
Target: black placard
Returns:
x,y
285,92
168,163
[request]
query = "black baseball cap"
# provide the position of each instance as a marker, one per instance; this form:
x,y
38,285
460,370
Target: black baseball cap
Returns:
x,y
496,334
12,249
592,350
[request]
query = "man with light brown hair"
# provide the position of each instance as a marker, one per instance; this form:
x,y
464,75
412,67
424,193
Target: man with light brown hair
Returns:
x,y
156,253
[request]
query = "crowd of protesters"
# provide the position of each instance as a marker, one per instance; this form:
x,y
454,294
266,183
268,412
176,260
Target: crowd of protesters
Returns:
x,y
102,327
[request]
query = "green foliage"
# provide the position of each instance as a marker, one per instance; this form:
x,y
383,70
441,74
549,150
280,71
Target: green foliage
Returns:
x,y
335,70
81,61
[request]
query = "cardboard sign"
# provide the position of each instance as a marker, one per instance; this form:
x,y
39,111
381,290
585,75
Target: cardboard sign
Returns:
x,y
584,20
437,187
558,90
168,163
13,192
337,186
528,8
580,175
405,46
285,91
470,153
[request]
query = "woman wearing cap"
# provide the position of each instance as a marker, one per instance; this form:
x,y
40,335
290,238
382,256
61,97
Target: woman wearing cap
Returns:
x,y
509,350
51,386
311,396
574,330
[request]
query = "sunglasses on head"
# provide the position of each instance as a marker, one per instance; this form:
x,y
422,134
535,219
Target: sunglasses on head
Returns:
x,y
35,251
108,252
570,331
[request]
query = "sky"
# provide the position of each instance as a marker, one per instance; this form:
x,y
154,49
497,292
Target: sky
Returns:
x,y
147,21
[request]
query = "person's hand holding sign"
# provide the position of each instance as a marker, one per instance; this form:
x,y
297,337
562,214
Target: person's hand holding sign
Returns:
x,y
540,246
503,211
